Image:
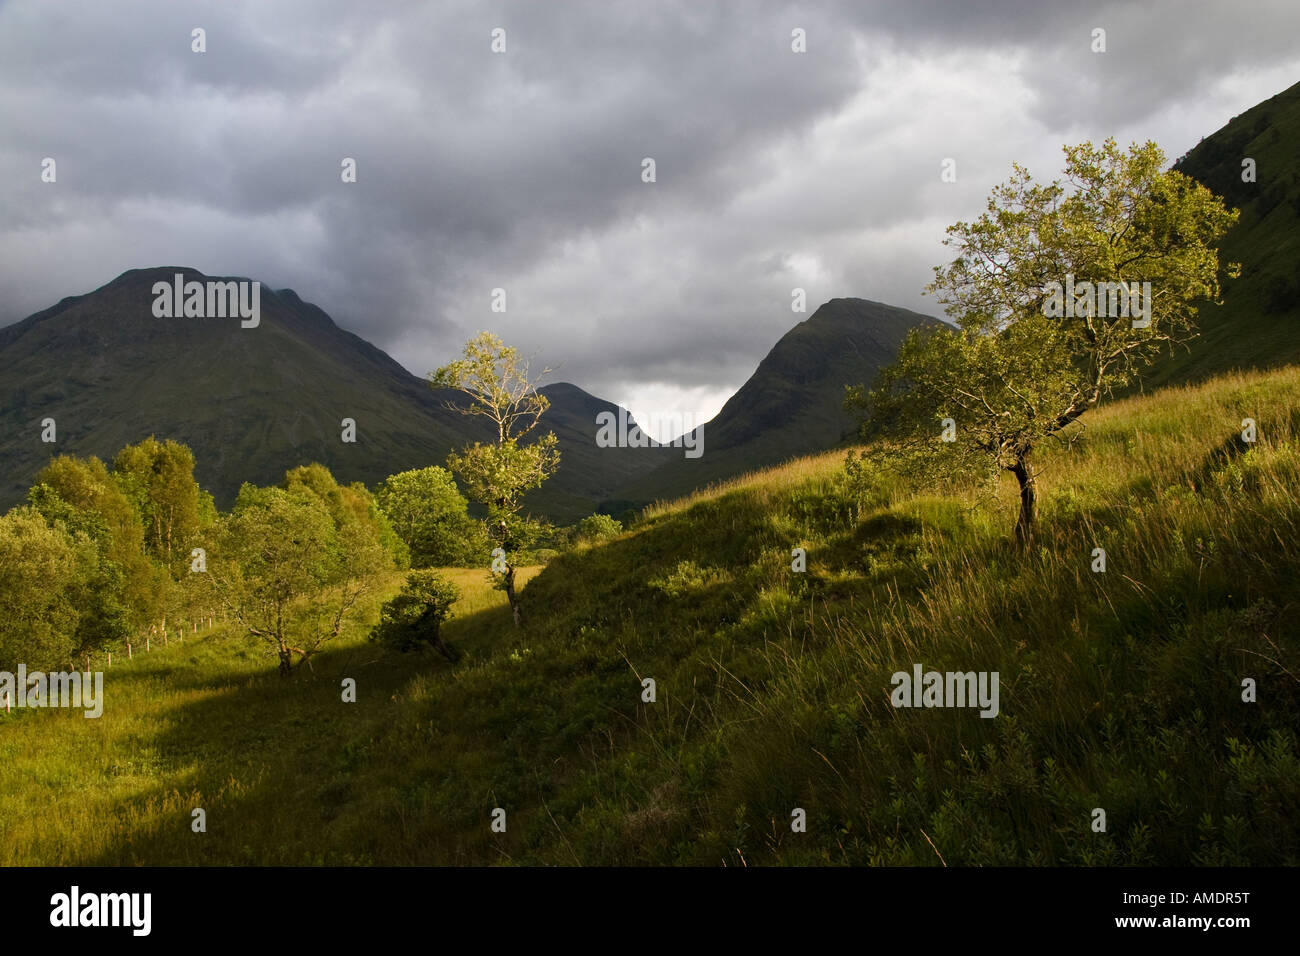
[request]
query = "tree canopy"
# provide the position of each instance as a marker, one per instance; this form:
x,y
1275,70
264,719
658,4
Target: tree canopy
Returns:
x,y
1061,292
430,515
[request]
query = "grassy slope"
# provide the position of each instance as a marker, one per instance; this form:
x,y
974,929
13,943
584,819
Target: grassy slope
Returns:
x,y
1118,690
1241,333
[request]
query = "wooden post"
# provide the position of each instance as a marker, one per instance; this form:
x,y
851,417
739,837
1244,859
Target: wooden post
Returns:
x,y
146,642
129,656
110,658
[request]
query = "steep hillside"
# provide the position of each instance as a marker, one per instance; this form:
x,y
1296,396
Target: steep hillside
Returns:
x,y
1119,690
793,403
1258,325
250,402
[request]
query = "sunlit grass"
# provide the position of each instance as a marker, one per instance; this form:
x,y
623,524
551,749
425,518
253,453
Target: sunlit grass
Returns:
x,y
1120,690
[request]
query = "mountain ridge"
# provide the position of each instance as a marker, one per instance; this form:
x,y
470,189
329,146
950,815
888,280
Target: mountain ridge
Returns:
x,y
256,401
793,403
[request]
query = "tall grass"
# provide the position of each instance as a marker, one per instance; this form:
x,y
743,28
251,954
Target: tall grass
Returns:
x,y
1119,691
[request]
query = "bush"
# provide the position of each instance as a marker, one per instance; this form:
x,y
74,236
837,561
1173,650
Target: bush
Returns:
x,y
414,617
598,527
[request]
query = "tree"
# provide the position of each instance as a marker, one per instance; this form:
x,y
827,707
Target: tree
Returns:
x,y
365,542
1048,293
497,475
159,479
42,570
431,516
414,617
124,589
276,550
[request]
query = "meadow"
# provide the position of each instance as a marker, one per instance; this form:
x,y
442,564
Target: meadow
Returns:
x,y
1121,690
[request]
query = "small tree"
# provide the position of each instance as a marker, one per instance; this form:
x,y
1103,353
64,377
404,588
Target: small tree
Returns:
x,y
126,589
414,617
1018,369
275,550
497,475
431,516
366,542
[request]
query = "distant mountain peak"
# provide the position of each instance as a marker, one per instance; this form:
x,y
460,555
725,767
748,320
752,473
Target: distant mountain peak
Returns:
x,y
251,402
793,403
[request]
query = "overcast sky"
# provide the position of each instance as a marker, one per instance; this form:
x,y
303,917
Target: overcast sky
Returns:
x,y
522,170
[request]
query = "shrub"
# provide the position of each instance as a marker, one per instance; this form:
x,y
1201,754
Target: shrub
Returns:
x,y
598,527
414,617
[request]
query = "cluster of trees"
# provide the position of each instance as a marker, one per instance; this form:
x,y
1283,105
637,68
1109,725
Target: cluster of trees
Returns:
x,y
97,554
100,555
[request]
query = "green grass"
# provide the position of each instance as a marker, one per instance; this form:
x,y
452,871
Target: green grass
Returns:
x,y
1241,333
1119,691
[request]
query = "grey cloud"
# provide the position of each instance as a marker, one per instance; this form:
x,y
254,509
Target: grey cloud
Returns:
x,y
523,170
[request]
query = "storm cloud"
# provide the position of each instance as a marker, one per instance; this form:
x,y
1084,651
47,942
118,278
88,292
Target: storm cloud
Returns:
x,y
522,169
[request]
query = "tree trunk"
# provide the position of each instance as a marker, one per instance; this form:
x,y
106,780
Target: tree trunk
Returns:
x,y
441,645
286,661
431,628
1028,501
510,592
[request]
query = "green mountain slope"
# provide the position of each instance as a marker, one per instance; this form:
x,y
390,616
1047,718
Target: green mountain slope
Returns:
x,y
1258,324
251,403
793,403
1119,690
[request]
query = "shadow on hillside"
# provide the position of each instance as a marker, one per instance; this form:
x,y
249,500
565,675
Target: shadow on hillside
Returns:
x,y
294,743
287,741
304,759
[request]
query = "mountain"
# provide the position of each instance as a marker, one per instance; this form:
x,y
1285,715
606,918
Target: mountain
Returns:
x,y
793,403
1258,324
252,402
